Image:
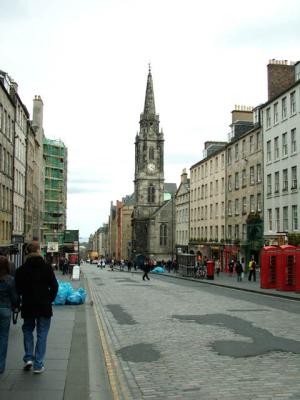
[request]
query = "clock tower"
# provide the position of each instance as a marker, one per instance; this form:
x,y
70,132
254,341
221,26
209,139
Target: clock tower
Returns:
x,y
149,171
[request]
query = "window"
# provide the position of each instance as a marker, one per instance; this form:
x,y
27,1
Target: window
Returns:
x,y
284,144
217,187
243,147
283,108
236,181
229,157
293,102
163,235
293,141
276,183
211,167
236,207
269,184
210,211
270,219
216,210
211,189
229,183
151,153
258,200
252,203
216,164
285,211
268,117
252,179
222,232
244,205
294,218
276,148
244,182
285,181
230,231
222,160
277,219
217,232
294,177
236,152
229,207
268,150
258,141
151,194
244,232
223,185
222,209
236,231
258,173
251,144
275,109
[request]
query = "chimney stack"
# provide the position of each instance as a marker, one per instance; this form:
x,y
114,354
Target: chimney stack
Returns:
x,y
281,75
184,176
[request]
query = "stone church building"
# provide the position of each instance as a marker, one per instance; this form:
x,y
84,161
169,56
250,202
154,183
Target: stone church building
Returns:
x,y
153,219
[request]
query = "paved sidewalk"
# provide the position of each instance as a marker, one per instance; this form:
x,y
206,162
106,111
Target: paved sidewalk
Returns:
x,y
68,362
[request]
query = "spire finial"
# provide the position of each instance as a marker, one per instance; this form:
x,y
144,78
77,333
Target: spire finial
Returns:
x,y
149,67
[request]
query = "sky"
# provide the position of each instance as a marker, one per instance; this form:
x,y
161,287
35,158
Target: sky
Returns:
x,y
88,60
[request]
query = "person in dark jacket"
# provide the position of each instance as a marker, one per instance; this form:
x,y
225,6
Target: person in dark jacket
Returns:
x,y
37,286
8,302
238,270
146,267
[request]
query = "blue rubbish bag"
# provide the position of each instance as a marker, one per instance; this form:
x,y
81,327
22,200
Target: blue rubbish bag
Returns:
x,y
64,290
77,297
158,270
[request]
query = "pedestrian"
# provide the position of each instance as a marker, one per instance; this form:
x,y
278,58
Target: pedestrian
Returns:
x,y
217,267
8,302
65,266
12,266
129,265
37,286
238,270
231,266
146,267
252,270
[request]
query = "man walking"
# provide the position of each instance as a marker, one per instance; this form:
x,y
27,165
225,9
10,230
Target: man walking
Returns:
x,y
37,286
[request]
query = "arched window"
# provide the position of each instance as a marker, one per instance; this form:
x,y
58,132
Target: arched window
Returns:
x,y
151,153
151,194
163,235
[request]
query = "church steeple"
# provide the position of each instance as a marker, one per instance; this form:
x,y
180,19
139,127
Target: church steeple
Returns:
x,y
149,108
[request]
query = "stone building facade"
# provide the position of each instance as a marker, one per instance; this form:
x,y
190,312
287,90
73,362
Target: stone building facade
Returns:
x,y
7,118
182,212
244,191
207,201
19,194
39,170
281,127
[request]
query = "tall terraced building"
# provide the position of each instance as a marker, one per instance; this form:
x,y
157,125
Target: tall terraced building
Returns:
x,y
55,209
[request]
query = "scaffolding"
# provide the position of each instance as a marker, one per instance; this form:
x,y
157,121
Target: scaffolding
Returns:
x,y
55,201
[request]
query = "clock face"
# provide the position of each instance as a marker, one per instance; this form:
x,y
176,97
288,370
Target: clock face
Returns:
x,y
151,167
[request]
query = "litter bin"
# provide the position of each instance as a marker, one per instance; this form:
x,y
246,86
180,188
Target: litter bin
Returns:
x,y
210,268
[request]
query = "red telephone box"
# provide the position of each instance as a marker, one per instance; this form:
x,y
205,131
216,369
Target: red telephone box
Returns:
x,y
269,264
298,269
210,268
286,278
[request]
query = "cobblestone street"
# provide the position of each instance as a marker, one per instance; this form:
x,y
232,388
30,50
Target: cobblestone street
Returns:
x,y
171,339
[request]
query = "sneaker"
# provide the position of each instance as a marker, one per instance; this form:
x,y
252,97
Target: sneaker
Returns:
x,y
39,370
27,366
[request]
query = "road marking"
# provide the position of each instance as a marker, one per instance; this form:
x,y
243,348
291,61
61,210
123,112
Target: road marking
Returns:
x,y
111,365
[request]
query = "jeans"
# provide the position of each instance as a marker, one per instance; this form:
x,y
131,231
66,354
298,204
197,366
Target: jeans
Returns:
x,y
36,355
5,316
